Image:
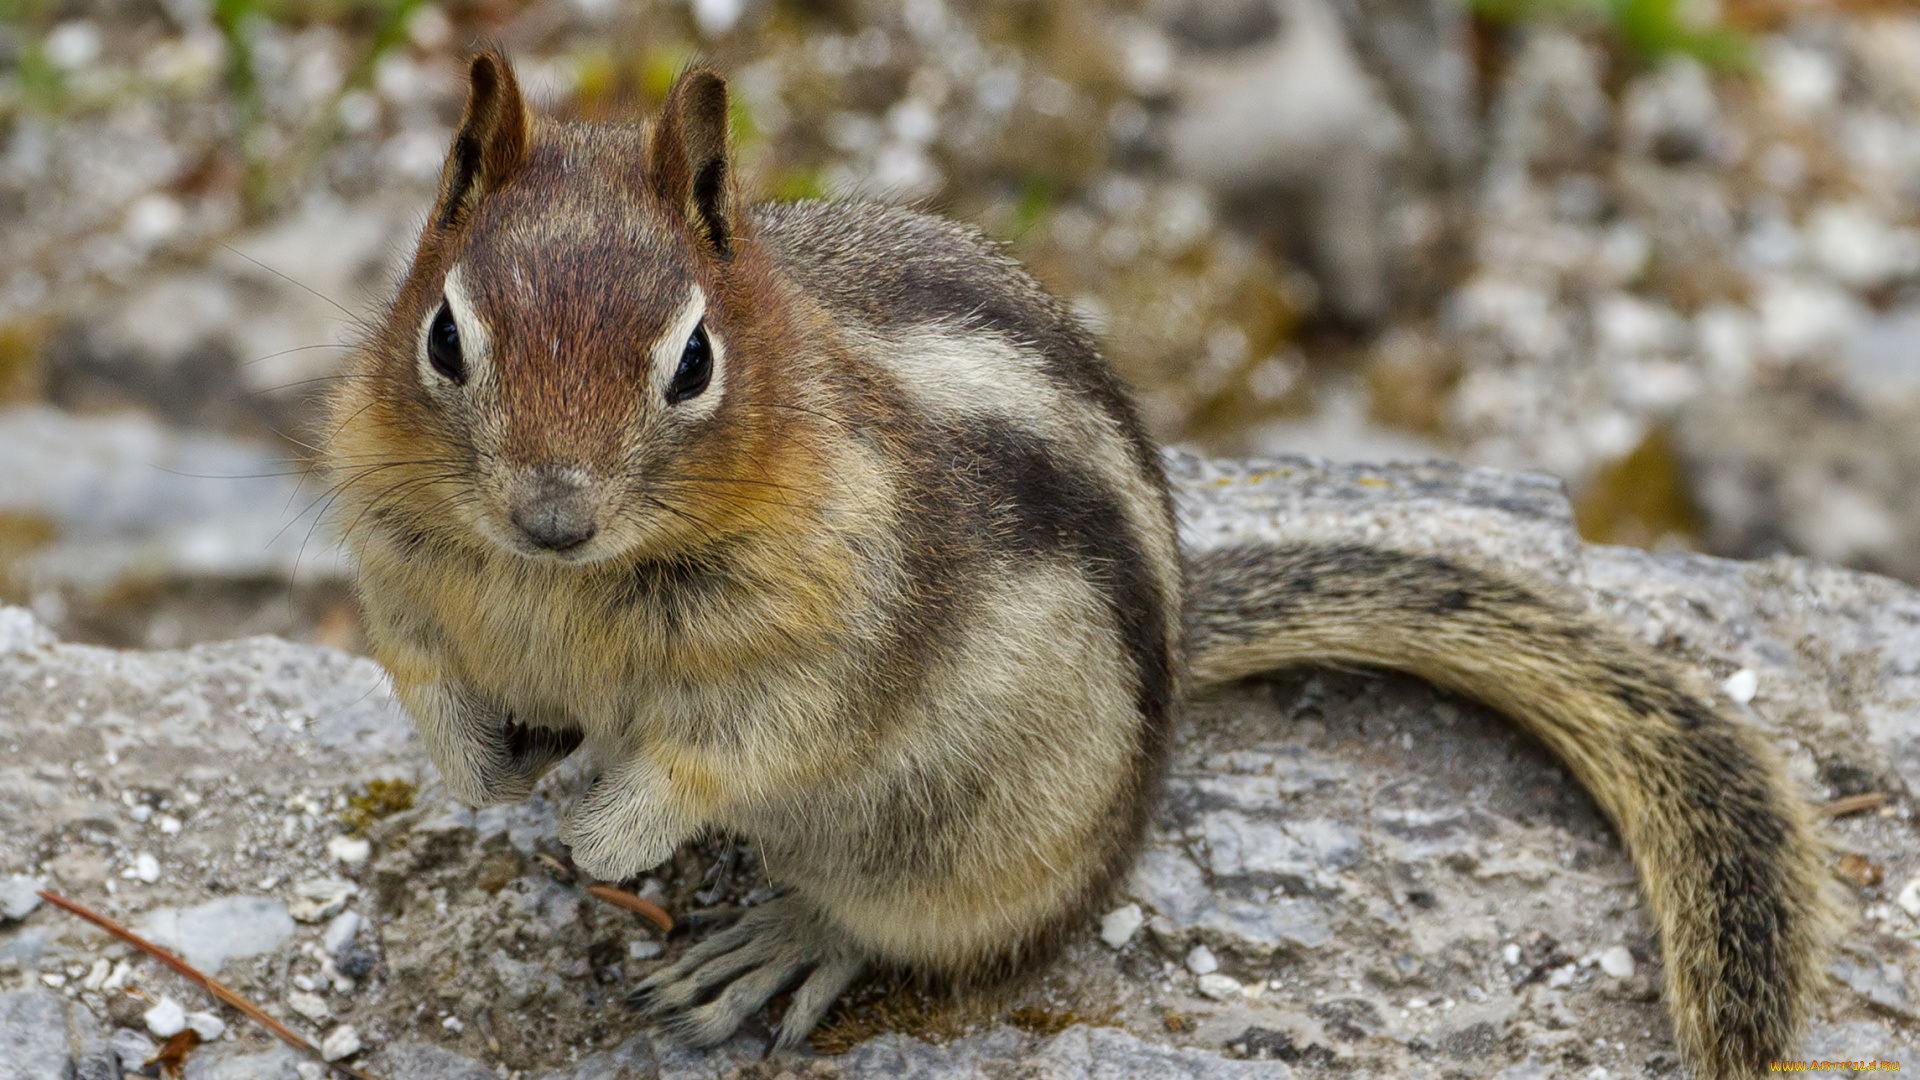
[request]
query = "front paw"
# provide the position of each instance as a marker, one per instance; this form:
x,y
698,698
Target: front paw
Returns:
x,y
487,757
624,825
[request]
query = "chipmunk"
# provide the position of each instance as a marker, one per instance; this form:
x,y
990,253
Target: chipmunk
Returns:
x,y
823,525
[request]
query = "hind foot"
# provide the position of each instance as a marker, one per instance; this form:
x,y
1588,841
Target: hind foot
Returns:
x,y
720,982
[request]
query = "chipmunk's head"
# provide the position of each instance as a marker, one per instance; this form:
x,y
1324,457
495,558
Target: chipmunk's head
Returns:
x,y
575,368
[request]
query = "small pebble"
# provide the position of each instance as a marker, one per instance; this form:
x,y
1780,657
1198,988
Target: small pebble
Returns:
x,y
169,824
118,979
97,974
132,1048
1562,977
319,899
341,1042
1118,926
54,979
349,850
1220,987
206,1025
310,1070
1617,962
1909,898
145,867
311,1006
166,1019
1742,685
1201,961
453,1024
340,932
643,950
357,963
19,895
1511,954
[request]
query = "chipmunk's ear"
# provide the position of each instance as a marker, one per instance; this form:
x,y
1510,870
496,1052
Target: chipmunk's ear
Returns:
x,y
691,162
491,143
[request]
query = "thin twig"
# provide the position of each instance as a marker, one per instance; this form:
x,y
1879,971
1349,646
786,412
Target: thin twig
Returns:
x,y
219,990
1853,804
639,905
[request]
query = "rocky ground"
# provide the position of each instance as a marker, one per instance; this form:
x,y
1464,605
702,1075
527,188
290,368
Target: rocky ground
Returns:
x,y
1385,230
1353,874
1379,230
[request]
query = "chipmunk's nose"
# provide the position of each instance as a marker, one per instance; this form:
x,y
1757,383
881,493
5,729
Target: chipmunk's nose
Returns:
x,y
554,508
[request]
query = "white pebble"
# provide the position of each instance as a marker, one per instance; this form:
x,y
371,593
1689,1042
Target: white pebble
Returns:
x,y
1220,987
1742,685
118,979
169,824
643,950
1617,962
1118,926
1561,977
97,975
1909,898
341,1042
453,1024
19,896
206,1025
166,1019
321,899
1511,954
72,45
1201,961
349,850
311,1006
340,932
716,17
145,867
311,1070
54,979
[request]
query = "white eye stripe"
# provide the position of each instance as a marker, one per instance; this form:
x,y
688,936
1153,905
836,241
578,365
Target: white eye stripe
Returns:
x,y
670,346
476,346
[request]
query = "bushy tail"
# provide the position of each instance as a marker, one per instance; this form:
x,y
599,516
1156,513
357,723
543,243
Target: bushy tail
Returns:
x,y
1727,854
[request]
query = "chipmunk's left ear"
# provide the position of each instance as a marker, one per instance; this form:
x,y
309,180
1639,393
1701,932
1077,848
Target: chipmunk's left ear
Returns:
x,y
691,162
491,143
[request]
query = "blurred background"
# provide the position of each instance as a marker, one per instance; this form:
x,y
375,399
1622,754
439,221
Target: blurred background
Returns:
x,y
1667,250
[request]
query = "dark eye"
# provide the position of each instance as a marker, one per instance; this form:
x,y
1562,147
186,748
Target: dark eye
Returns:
x,y
696,368
443,345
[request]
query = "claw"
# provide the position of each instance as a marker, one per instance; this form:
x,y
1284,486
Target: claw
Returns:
x,y
815,996
750,962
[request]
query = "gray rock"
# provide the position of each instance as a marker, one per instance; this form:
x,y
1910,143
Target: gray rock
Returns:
x,y
131,502
19,895
1882,984
1367,839
33,1037
227,1061
131,1048
418,1061
210,934
1300,112
1831,471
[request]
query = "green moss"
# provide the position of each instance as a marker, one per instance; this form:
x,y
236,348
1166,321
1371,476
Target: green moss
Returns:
x,y
1640,500
381,799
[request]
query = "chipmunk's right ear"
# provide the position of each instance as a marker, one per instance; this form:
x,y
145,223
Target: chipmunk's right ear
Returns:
x,y
491,143
691,159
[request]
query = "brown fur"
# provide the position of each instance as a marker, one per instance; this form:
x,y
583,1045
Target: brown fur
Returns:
x,y
897,595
